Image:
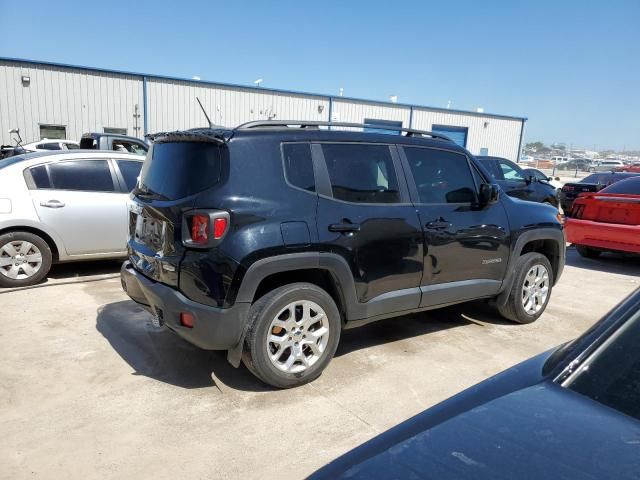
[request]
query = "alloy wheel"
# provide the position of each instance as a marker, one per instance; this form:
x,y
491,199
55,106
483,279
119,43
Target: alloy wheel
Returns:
x,y
20,260
298,336
535,289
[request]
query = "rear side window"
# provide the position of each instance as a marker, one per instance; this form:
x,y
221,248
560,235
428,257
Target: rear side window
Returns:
x,y
510,171
40,176
361,173
441,176
178,169
88,143
48,146
83,175
298,166
492,167
130,171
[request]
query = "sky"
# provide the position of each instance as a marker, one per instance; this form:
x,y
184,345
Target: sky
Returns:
x,y
571,67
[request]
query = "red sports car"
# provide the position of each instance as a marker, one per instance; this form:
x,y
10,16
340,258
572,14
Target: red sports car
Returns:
x,y
608,220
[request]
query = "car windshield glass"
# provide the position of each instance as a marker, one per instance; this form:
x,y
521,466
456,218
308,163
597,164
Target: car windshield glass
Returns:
x,y
611,375
178,169
629,186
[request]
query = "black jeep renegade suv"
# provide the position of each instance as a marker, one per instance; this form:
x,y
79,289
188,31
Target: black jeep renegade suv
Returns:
x,y
267,240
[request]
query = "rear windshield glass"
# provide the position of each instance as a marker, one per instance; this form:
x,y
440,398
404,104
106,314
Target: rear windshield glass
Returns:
x,y
630,186
178,169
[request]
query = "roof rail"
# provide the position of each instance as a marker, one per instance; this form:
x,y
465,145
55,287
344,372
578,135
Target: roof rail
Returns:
x,y
410,132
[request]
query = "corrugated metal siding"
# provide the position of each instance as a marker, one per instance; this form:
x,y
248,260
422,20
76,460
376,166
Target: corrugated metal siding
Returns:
x,y
500,136
172,105
356,112
88,100
79,100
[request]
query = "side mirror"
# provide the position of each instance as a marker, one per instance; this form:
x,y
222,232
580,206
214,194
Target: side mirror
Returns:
x,y
549,179
488,194
14,130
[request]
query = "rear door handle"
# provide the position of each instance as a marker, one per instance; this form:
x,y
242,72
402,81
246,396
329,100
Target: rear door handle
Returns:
x,y
344,227
52,204
438,225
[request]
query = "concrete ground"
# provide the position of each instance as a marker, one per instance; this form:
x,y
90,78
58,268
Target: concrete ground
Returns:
x,y
90,389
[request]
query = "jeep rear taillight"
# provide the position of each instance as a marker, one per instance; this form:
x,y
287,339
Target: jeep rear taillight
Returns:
x,y
204,228
219,227
200,229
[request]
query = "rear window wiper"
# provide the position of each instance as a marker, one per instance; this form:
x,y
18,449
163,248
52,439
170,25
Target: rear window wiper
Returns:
x,y
145,192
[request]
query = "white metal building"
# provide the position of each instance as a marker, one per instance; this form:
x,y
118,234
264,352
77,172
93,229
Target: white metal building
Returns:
x,y
49,100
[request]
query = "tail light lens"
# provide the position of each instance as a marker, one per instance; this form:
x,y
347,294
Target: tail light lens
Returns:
x,y
203,229
200,229
220,227
578,210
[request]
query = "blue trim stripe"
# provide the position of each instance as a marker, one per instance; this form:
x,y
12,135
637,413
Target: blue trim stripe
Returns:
x,y
251,88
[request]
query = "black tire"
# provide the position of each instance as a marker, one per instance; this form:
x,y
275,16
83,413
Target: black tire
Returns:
x,y
588,252
41,245
514,309
261,314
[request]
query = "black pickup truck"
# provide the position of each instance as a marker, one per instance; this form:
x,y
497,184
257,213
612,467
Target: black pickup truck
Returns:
x,y
112,141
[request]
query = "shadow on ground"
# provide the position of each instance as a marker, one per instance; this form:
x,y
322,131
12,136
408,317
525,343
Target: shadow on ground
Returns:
x,y
64,271
160,354
619,263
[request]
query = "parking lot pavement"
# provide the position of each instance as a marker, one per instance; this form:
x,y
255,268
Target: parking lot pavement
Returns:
x,y
90,389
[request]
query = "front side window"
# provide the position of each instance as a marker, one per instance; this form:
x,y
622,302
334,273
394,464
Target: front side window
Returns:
x,y
612,375
510,171
82,175
361,173
130,170
298,166
441,176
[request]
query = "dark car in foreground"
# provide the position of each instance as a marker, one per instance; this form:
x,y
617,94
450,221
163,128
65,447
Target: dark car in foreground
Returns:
x,y
589,184
570,413
517,183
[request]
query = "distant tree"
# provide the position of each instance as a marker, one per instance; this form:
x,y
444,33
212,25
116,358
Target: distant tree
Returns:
x,y
534,146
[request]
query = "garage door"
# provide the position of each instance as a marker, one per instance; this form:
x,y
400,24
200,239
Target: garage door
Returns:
x,y
457,134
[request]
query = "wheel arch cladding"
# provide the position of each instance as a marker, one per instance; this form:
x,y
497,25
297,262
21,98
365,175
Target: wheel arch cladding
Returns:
x,y
326,270
549,242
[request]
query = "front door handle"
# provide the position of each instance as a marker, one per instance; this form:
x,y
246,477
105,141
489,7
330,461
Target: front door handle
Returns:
x,y
52,204
344,227
438,225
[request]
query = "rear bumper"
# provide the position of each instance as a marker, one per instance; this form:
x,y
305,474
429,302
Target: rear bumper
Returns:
x,y
607,236
214,328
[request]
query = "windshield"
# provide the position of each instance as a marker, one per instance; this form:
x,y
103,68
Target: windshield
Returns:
x,y
611,375
175,170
